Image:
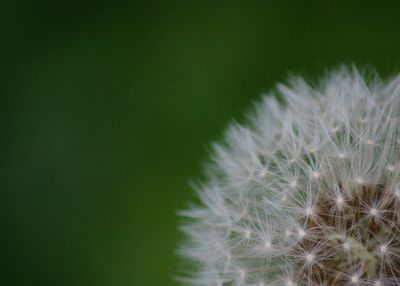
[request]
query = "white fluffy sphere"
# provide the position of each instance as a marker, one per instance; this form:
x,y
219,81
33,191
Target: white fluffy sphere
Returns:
x,y
306,193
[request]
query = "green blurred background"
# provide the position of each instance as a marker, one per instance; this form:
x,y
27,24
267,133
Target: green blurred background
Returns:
x,y
108,109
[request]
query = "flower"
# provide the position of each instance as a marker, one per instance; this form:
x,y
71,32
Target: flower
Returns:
x,y
307,192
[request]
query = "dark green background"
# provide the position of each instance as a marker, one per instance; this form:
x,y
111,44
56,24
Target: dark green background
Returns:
x,y
108,109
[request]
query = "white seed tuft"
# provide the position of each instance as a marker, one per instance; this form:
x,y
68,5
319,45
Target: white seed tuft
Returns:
x,y
383,248
339,200
302,233
307,193
373,211
355,279
309,211
310,258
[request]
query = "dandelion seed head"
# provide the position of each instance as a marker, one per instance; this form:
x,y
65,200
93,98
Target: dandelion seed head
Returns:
x,y
306,192
359,180
302,233
315,174
310,258
290,283
339,200
355,279
373,211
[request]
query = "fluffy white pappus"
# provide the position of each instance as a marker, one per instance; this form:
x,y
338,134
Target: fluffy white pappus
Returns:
x,y
307,192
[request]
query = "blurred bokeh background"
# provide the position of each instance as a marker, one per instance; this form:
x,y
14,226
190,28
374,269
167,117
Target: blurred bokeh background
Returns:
x,y
108,109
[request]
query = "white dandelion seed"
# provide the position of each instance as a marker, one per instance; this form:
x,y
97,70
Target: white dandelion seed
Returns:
x,y
307,193
355,279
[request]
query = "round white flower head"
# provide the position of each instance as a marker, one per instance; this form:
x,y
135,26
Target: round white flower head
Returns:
x,y
306,192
